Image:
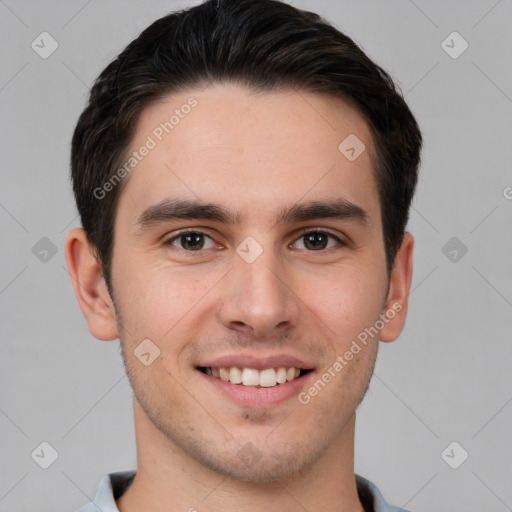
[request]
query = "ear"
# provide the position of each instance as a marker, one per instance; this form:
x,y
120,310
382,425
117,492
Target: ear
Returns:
x,y
90,288
395,309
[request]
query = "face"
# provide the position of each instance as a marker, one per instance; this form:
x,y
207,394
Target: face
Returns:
x,y
248,246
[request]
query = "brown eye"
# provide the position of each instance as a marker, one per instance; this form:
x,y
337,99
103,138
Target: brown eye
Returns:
x,y
317,241
192,241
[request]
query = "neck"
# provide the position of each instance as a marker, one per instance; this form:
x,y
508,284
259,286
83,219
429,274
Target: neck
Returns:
x,y
169,479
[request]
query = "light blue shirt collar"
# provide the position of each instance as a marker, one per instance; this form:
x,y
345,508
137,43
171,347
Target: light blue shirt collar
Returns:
x,y
113,485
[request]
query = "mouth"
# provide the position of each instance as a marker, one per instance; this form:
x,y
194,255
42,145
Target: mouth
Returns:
x,y
255,380
252,377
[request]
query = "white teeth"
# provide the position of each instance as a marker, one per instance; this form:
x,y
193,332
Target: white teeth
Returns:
x,y
267,378
235,375
224,374
281,375
250,377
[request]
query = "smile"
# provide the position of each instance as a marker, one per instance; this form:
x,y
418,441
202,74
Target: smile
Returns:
x,y
266,378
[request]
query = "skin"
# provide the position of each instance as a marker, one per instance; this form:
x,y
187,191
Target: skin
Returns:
x,y
256,155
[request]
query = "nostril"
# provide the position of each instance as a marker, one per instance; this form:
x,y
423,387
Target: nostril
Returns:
x,y
240,326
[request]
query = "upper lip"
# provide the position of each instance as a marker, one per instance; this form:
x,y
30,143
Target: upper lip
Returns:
x,y
257,362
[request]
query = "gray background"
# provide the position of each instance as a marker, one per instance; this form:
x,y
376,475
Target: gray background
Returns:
x,y
446,379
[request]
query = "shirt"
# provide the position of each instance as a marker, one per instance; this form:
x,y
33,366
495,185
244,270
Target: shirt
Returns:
x,y
114,485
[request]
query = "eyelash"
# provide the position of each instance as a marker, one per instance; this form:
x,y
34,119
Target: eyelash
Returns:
x,y
303,233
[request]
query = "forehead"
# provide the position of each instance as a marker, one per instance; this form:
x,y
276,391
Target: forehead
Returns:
x,y
250,150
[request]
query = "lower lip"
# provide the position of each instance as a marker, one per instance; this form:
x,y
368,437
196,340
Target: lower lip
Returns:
x,y
250,396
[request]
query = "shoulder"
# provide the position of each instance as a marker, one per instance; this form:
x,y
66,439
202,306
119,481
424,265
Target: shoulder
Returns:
x,y
111,487
371,497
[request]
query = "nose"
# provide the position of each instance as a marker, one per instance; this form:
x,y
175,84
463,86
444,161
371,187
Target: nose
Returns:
x,y
258,298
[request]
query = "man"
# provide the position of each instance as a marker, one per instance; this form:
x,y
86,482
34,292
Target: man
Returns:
x,y
243,173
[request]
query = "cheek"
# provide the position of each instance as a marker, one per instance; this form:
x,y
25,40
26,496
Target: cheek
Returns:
x,y
161,305
158,300
346,301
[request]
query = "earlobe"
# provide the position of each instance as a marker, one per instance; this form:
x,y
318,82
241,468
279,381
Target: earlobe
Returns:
x,y
395,310
89,285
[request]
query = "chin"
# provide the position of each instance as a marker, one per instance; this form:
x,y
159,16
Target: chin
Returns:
x,y
263,464
264,469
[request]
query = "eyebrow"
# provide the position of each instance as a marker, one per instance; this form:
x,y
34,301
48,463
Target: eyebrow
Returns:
x,y
185,209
